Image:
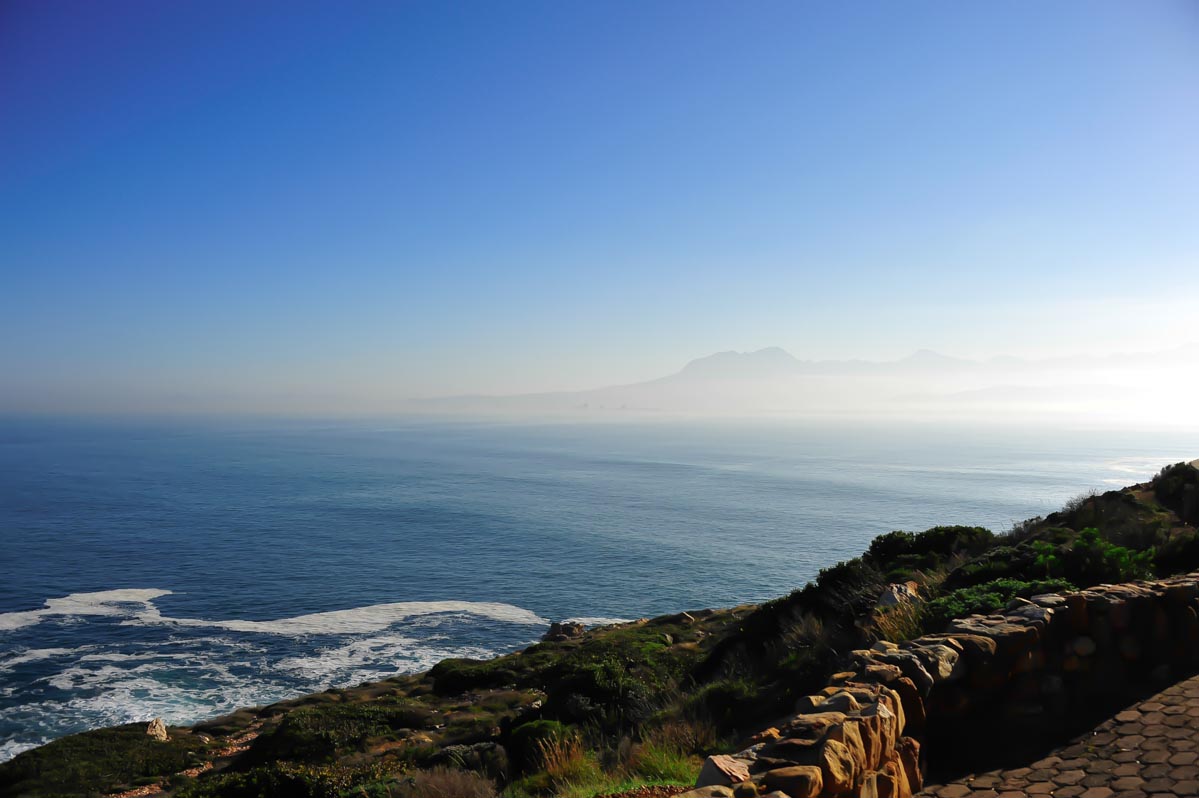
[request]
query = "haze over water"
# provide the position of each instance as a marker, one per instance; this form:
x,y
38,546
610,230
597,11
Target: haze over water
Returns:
x,y
185,569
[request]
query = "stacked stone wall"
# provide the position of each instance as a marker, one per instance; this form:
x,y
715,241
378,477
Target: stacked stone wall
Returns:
x,y
1028,669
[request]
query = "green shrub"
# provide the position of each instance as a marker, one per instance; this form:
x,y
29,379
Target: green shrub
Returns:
x,y
901,554
97,761
454,676
525,741
1179,554
603,691
985,599
1091,560
317,733
1177,487
285,780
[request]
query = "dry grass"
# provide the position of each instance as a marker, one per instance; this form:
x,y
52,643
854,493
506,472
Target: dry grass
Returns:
x,y
902,622
567,762
444,783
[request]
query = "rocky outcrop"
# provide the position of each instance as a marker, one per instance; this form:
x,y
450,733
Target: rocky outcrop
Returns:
x,y
563,631
862,735
158,730
899,593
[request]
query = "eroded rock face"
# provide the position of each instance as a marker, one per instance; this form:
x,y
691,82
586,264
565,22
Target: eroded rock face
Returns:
x,y
158,730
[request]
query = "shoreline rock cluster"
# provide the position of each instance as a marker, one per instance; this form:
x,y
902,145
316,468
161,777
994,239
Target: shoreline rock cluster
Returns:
x,y
862,736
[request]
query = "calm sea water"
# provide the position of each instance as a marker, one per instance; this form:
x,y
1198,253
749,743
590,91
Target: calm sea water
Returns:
x,y
182,571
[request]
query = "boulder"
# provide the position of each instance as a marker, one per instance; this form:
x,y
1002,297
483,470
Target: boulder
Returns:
x,y
942,662
158,730
799,781
562,631
722,770
838,770
713,791
899,593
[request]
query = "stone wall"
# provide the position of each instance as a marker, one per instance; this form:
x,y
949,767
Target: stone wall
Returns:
x,y
1036,666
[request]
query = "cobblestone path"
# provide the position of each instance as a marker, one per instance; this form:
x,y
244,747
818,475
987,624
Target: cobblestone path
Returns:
x,y
1150,750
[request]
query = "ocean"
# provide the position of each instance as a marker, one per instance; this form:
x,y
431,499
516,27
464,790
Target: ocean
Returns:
x,y
182,570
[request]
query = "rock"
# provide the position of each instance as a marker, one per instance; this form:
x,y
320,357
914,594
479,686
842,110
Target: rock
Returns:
x,y
838,770
799,781
722,770
909,756
158,730
711,791
765,736
849,734
910,666
746,789
562,631
942,662
900,593
841,701
1083,646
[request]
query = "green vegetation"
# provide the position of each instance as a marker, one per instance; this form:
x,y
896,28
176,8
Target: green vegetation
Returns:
x,y
984,599
98,762
633,704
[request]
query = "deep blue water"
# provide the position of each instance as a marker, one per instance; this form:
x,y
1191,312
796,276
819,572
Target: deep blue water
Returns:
x,y
183,570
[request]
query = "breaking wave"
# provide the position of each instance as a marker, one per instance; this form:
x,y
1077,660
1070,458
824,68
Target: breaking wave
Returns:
x,y
187,669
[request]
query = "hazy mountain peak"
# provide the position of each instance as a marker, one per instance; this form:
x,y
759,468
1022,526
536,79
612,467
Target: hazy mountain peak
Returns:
x,y
763,362
930,356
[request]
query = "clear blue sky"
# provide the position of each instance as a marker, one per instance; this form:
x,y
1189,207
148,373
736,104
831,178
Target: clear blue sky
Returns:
x,y
250,200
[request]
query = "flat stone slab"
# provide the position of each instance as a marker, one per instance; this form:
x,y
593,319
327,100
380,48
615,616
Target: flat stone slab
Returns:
x,y
1148,750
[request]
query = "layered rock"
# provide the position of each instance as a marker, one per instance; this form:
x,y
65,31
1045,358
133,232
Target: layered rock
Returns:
x,y
861,735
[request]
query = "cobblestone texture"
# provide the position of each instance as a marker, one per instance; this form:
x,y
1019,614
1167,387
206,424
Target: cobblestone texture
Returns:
x,y
1150,750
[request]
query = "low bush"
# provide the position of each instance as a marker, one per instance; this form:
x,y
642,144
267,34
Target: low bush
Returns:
x,y
97,761
1091,560
317,733
984,599
900,555
285,780
525,742
1177,487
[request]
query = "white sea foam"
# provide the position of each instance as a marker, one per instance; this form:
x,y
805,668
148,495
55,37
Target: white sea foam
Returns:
x,y
359,620
103,602
593,622
37,654
193,675
372,658
10,748
138,605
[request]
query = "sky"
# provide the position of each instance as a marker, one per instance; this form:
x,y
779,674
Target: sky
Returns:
x,y
226,205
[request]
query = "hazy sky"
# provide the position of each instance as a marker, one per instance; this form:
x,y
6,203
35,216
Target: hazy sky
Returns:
x,y
254,200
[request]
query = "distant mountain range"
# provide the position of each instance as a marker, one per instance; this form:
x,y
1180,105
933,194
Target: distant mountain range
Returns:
x,y
774,382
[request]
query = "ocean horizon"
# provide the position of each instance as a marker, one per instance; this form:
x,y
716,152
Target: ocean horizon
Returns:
x,y
183,569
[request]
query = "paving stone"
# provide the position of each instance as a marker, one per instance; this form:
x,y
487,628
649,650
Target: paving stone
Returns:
x,y
1150,750
1128,782
1098,792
